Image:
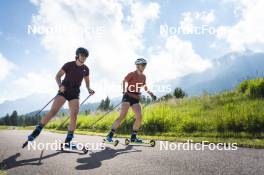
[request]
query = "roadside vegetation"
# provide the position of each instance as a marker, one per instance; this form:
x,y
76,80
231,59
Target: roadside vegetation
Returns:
x,y
237,114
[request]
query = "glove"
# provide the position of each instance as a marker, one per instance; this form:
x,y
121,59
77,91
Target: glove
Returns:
x,y
91,91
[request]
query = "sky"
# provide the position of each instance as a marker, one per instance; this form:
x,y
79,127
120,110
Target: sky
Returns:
x,y
177,37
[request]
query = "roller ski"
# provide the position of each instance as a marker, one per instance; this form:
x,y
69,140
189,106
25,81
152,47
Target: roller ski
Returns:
x,y
109,140
70,146
137,141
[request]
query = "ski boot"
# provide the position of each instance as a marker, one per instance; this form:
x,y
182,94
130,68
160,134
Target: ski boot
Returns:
x,y
109,139
67,144
33,135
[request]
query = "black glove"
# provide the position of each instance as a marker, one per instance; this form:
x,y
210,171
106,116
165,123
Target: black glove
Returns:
x,y
91,91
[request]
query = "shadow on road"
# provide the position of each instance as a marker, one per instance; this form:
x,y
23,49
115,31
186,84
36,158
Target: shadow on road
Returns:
x,y
12,161
96,158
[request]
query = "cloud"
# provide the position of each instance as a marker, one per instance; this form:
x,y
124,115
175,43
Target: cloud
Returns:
x,y
113,50
176,59
190,20
247,33
5,67
120,41
41,82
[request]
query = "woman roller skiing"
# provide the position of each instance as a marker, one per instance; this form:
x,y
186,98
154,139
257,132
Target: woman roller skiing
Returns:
x,y
69,90
131,94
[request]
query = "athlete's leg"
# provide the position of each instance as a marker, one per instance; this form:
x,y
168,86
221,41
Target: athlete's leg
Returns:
x,y
57,104
138,115
74,110
124,108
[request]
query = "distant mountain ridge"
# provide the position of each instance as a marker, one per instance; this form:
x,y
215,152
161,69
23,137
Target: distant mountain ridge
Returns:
x,y
225,74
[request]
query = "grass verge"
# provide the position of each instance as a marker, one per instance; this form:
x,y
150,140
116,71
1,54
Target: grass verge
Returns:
x,y
2,172
241,139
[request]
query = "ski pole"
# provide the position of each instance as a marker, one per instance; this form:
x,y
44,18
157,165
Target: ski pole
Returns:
x,y
86,99
80,105
45,106
116,107
25,144
104,115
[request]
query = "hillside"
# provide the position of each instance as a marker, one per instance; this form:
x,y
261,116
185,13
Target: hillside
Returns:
x,y
237,111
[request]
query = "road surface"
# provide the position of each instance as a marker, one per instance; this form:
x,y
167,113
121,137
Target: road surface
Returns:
x,y
125,160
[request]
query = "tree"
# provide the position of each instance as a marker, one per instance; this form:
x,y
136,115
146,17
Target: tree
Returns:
x,y
101,105
87,112
167,97
179,93
145,99
5,120
105,105
14,118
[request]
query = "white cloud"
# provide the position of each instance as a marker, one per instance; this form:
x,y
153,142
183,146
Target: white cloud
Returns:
x,y
114,50
41,82
177,58
190,20
247,33
204,16
5,67
187,22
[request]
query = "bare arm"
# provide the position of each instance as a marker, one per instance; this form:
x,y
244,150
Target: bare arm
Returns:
x,y
87,82
124,86
58,77
149,92
146,89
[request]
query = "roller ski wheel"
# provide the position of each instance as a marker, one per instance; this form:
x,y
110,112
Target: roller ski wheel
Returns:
x,y
127,141
114,142
72,147
151,143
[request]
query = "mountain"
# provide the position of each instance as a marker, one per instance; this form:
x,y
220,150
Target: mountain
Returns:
x,y
24,105
225,74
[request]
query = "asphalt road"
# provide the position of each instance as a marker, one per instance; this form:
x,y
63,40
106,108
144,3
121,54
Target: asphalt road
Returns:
x,y
121,159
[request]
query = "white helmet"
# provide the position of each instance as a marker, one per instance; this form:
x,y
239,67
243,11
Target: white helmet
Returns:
x,y
141,61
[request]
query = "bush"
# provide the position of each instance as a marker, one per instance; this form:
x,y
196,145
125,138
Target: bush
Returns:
x,y
179,93
243,86
252,88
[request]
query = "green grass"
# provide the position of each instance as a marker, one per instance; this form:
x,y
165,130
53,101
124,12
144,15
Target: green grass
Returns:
x,y
228,116
243,140
236,116
3,127
2,172
223,113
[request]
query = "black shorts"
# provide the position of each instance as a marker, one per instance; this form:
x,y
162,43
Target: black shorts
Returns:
x,y
130,100
70,93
